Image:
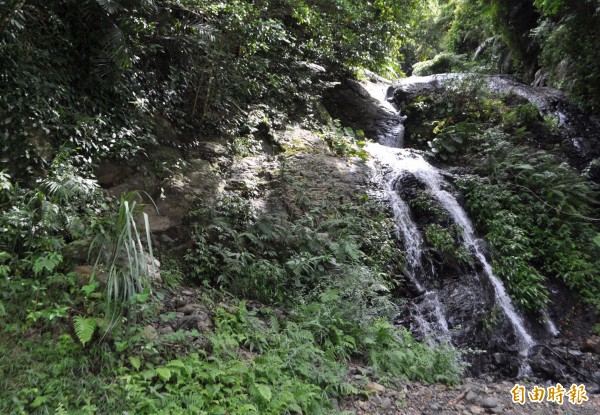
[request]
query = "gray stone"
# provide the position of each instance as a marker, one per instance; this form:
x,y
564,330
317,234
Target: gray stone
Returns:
x,y
166,330
386,402
375,387
205,323
188,322
187,309
212,151
591,345
471,396
146,184
153,269
475,410
176,193
490,402
166,239
150,332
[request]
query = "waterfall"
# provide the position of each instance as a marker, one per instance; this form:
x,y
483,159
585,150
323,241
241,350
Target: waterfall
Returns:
x,y
455,294
428,310
401,162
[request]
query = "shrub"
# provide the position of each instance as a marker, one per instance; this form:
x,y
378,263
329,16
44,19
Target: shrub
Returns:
x,y
442,63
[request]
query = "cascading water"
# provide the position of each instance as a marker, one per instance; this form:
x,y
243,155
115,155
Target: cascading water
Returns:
x,y
449,286
403,162
394,164
427,312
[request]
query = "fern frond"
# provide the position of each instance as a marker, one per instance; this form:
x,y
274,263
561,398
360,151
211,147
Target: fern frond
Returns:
x,y
84,328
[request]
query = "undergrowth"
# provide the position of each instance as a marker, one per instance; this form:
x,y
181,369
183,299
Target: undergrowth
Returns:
x,y
254,362
67,351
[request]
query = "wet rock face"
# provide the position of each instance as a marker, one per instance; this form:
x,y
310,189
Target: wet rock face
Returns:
x,y
562,360
464,297
352,104
467,300
579,132
474,320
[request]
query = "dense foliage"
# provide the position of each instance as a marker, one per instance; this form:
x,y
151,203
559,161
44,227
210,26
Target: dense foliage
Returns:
x,y
558,37
90,80
85,81
109,78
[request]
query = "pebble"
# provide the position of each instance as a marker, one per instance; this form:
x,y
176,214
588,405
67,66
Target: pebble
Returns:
x,y
475,410
150,332
386,402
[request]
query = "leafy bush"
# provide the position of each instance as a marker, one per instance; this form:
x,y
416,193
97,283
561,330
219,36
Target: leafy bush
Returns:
x,y
121,254
441,63
556,36
344,141
446,242
536,214
567,35
261,258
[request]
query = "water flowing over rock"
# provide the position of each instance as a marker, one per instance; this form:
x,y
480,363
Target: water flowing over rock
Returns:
x,y
366,110
579,132
460,301
455,305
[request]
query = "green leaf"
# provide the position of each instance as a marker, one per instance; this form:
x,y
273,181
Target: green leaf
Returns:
x,y
47,262
164,373
597,239
524,167
37,402
450,148
142,297
148,374
84,328
177,363
219,410
295,407
88,289
135,362
265,392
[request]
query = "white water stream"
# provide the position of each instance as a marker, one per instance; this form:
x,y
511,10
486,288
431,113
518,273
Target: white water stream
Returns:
x,y
394,163
401,162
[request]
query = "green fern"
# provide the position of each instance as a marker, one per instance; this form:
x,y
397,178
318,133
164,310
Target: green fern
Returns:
x,y
84,328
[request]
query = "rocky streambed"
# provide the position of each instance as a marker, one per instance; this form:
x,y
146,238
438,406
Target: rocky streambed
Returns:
x,y
472,397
